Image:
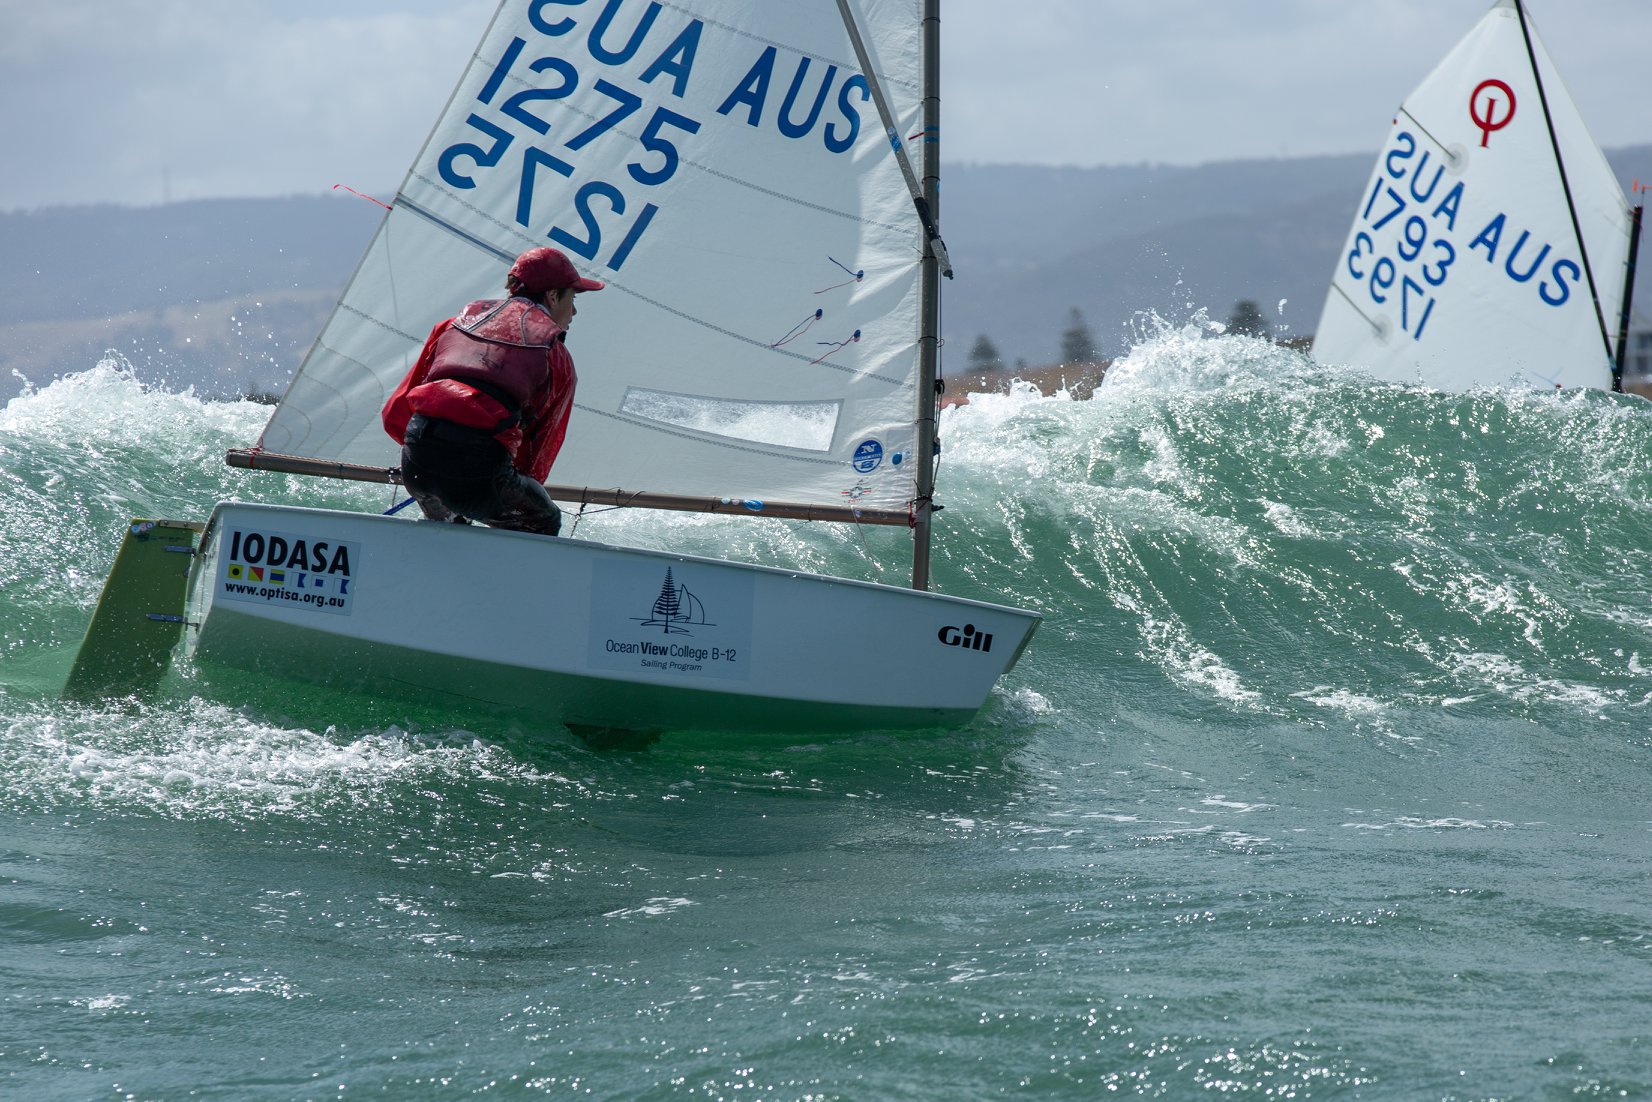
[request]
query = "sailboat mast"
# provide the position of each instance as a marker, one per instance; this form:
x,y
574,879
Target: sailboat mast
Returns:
x,y
1628,297
930,305
934,264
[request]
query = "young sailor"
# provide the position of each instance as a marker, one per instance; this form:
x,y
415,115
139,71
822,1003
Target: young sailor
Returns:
x,y
484,411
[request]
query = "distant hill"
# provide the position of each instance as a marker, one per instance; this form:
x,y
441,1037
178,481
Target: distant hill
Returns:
x,y
227,295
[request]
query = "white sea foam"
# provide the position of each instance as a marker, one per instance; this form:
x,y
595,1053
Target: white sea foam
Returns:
x,y
1349,703
651,908
204,758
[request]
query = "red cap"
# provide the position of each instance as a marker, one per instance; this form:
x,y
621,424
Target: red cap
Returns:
x,y
544,269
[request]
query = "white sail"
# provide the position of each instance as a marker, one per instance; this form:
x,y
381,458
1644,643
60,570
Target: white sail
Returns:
x,y
720,165
1463,266
713,161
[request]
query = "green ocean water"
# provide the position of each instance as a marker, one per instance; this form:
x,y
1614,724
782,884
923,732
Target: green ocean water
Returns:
x,y
1326,778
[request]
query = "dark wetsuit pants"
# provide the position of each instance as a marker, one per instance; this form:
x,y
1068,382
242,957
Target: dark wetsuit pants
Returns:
x,y
457,474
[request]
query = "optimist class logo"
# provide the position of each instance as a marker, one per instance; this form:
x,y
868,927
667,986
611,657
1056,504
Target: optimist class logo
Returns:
x,y
1483,105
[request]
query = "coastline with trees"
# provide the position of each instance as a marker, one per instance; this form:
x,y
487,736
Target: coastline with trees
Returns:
x,y
1081,368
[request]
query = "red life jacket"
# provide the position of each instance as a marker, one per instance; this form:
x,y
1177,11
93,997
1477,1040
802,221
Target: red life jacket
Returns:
x,y
498,350
512,348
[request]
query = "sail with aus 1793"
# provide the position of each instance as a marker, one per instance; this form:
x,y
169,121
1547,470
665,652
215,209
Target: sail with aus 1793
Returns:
x,y
737,173
1492,244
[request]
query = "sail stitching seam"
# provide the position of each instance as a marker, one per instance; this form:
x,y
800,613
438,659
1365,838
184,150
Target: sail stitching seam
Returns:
x,y
434,219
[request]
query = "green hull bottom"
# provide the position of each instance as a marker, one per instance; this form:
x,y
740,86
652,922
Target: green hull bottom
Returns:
x,y
398,684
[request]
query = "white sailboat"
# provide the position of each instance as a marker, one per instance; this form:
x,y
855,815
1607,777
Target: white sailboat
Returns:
x,y
737,173
1493,244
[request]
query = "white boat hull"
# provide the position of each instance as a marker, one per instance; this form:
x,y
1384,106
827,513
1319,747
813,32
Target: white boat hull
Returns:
x,y
560,631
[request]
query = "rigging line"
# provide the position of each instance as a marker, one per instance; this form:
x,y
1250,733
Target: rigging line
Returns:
x,y
800,328
836,346
931,233
854,277
359,195
1565,183
1352,305
866,550
1455,157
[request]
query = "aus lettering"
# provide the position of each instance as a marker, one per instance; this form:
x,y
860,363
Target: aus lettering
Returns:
x,y
801,111
1523,260
798,96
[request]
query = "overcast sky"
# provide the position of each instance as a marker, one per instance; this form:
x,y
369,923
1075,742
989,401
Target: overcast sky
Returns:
x,y
138,101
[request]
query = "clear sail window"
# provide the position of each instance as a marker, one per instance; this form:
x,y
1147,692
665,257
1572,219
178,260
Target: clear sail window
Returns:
x,y
806,425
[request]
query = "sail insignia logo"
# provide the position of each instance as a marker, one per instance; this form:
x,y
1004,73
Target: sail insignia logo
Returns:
x,y
868,456
854,493
1488,113
675,610
965,638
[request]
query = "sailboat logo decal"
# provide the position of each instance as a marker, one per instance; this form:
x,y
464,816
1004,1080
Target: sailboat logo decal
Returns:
x,y
868,456
1482,108
675,610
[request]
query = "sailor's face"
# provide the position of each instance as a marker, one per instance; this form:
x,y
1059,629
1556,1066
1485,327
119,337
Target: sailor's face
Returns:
x,y
561,306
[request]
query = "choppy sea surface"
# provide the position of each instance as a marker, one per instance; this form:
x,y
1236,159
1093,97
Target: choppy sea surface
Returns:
x,y
1326,777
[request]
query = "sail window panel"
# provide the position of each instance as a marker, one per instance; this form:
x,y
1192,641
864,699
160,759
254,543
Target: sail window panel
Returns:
x,y
805,425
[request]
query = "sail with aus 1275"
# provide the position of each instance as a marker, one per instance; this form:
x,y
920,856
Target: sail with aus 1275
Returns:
x,y
1493,243
737,172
